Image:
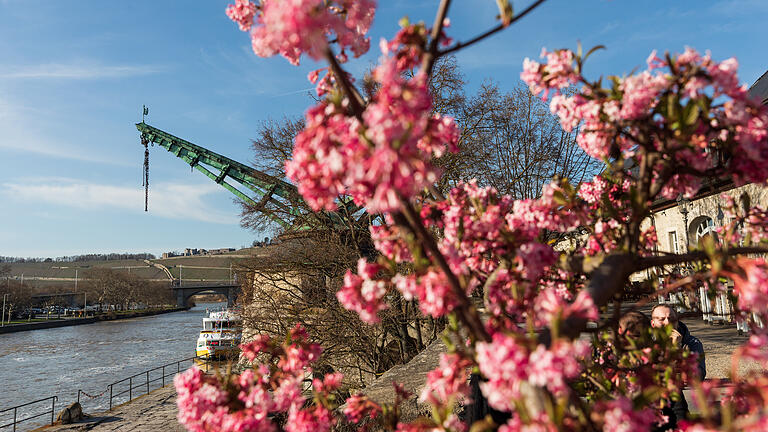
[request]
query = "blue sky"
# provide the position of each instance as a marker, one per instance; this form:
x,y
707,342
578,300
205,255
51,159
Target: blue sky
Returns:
x,y
74,75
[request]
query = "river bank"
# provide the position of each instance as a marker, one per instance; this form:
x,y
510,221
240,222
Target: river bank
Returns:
x,y
13,328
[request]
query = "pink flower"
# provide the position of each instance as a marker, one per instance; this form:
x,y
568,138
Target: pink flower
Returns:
x,y
552,367
295,27
252,349
558,73
329,383
550,304
317,419
380,161
359,407
436,298
389,242
242,12
504,363
297,357
289,394
620,416
751,287
641,93
448,382
533,259
362,294
540,423
532,76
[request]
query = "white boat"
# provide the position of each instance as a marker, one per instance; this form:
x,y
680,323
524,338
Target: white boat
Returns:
x,y
220,336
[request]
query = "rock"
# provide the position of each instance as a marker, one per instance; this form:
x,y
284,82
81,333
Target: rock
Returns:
x,y
71,414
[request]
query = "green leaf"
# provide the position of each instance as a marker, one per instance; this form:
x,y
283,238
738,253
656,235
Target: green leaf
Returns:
x,y
672,107
484,425
594,48
691,114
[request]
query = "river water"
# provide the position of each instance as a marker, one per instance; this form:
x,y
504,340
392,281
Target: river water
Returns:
x,y
57,362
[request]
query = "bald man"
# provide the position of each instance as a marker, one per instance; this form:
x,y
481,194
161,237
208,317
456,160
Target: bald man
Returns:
x,y
662,316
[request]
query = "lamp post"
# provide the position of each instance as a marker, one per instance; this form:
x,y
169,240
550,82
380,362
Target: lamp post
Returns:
x,y
682,206
2,319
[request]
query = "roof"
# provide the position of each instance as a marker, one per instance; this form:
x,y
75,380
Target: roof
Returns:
x,y
759,89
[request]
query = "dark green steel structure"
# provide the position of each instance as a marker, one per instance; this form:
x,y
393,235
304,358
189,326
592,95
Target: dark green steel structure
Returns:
x,y
270,191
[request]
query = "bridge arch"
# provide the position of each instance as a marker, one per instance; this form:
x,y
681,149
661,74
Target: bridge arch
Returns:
x,y
184,292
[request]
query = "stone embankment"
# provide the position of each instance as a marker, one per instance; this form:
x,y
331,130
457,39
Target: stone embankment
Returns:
x,y
157,411
54,323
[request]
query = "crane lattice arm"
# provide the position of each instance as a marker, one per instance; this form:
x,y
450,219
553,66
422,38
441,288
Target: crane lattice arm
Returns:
x,y
270,191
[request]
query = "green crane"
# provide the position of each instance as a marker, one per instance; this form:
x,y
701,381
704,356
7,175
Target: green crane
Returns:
x,y
272,195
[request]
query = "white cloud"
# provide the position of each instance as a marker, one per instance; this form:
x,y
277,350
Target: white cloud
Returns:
x,y
172,201
77,71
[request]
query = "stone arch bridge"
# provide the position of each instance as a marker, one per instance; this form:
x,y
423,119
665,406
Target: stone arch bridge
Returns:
x,y
184,291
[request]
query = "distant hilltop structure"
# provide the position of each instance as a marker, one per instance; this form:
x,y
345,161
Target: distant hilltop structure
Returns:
x,y
195,252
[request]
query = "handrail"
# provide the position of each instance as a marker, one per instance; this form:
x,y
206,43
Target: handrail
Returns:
x,y
15,409
147,381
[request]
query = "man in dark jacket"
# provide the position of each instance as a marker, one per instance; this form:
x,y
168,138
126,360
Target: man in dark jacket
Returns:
x,y
661,316
664,315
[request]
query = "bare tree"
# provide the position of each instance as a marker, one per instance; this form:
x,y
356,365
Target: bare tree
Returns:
x,y
296,281
512,142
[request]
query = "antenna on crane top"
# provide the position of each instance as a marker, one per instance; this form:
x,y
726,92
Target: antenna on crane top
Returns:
x,y
145,143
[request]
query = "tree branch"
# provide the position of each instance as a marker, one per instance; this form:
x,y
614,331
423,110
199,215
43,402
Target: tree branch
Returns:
x,y
355,100
429,59
657,261
465,311
496,29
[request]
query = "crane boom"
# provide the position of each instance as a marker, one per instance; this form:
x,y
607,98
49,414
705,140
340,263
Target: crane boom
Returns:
x,y
269,190
220,168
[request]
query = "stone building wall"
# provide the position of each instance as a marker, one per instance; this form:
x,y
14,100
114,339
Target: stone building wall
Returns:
x,y
704,214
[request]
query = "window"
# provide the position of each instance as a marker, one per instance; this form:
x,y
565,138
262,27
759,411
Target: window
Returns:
x,y
673,245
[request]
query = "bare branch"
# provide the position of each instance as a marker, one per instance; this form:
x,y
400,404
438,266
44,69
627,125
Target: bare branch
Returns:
x,y
490,32
429,58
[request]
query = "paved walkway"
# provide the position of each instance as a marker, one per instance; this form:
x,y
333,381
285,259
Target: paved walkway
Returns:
x,y
153,412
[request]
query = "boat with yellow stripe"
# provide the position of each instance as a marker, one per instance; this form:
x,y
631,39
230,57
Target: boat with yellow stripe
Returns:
x,y
220,336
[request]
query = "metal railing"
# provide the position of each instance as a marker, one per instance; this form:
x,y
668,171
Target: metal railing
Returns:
x,y
140,383
16,420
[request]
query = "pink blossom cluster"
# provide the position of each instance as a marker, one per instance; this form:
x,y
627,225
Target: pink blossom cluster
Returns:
x,y
557,73
620,415
508,362
750,285
362,293
295,27
478,226
247,402
642,105
431,289
550,305
359,407
380,157
539,423
388,240
449,382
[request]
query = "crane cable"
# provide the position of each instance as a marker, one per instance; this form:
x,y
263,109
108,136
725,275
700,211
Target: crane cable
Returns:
x,y
145,180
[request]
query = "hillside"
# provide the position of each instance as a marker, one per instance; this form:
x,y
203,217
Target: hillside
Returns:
x,y
201,268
